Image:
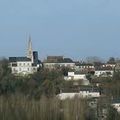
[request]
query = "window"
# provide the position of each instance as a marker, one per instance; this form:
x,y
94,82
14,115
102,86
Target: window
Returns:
x,y
13,69
34,69
19,69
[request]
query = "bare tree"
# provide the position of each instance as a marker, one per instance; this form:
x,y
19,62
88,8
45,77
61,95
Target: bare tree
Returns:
x,y
93,59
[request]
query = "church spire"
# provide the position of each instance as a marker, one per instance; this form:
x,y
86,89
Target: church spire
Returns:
x,y
29,50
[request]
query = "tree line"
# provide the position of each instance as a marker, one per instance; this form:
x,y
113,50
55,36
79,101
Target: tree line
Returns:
x,y
33,97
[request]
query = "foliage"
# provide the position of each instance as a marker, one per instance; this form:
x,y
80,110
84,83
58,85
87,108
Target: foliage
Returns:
x,y
33,97
112,114
18,107
45,81
111,87
111,60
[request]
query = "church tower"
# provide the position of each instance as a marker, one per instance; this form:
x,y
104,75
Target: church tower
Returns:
x,y
29,49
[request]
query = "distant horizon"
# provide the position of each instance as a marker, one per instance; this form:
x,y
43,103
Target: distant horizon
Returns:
x,y
104,59
24,51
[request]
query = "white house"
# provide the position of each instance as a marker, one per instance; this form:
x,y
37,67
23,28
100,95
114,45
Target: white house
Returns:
x,y
22,65
25,65
77,77
112,65
84,67
89,94
58,61
81,94
85,92
73,76
104,73
58,64
63,96
116,105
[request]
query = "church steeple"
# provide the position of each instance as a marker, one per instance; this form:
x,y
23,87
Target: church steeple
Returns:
x,y
29,50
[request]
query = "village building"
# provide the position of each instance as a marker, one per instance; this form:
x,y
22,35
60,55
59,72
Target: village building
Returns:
x,y
116,104
112,65
84,92
104,72
84,67
25,65
58,61
72,76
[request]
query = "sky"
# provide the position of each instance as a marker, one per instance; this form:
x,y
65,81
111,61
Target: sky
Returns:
x,y
72,28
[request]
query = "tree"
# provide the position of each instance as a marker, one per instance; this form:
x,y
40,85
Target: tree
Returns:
x,y
49,81
93,59
112,114
111,60
4,68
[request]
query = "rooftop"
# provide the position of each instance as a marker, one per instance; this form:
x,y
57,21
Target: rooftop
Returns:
x,y
58,59
18,59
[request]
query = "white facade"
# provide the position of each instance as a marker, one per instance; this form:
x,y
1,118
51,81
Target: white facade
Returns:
x,y
81,94
73,76
89,94
104,73
77,77
53,65
63,96
109,65
116,106
23,67
86,66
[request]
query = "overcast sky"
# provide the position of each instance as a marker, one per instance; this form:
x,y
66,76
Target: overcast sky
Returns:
x,y
73,28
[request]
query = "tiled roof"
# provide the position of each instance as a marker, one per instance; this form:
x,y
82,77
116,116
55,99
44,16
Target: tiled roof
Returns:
x,y
83,64
18,59
65,60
